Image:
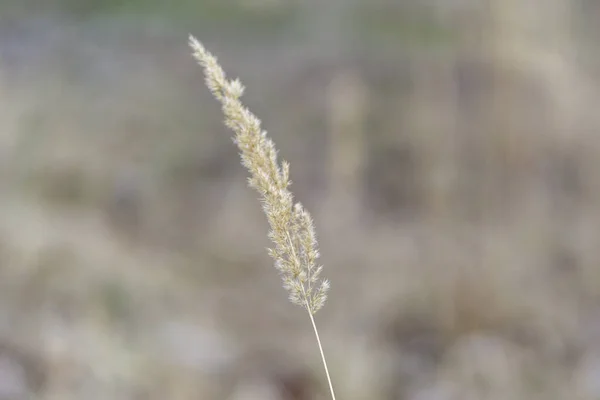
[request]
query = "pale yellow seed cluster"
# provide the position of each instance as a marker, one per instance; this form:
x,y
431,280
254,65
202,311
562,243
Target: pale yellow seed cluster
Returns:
x,y
292,230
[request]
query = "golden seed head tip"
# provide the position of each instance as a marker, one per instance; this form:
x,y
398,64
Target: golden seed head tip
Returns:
x,y
292,229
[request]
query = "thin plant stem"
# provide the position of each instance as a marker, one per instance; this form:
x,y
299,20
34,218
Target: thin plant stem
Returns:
x,y
312,320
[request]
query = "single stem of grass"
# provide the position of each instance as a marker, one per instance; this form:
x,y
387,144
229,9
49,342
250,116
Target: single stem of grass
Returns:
x,y
292,229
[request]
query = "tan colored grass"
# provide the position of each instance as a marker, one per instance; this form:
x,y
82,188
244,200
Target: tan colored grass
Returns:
x,y
292,231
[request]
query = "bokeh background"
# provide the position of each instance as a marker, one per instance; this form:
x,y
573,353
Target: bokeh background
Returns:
x,y
449,151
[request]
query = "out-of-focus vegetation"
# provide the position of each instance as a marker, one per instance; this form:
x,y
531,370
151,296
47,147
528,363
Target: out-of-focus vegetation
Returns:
x,y
448,151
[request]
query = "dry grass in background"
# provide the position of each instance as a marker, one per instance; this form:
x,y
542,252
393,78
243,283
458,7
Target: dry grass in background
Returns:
x,y
454,182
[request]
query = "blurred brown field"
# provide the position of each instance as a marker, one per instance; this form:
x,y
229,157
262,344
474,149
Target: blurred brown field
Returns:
x,y
448,150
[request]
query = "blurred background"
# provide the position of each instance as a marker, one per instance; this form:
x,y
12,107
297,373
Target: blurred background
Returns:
x,y
448,150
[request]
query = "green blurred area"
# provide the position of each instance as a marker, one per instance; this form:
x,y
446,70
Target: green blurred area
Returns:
x,y
357,22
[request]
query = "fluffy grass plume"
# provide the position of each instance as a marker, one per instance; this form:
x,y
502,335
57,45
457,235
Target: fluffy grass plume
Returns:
x,y
292,230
